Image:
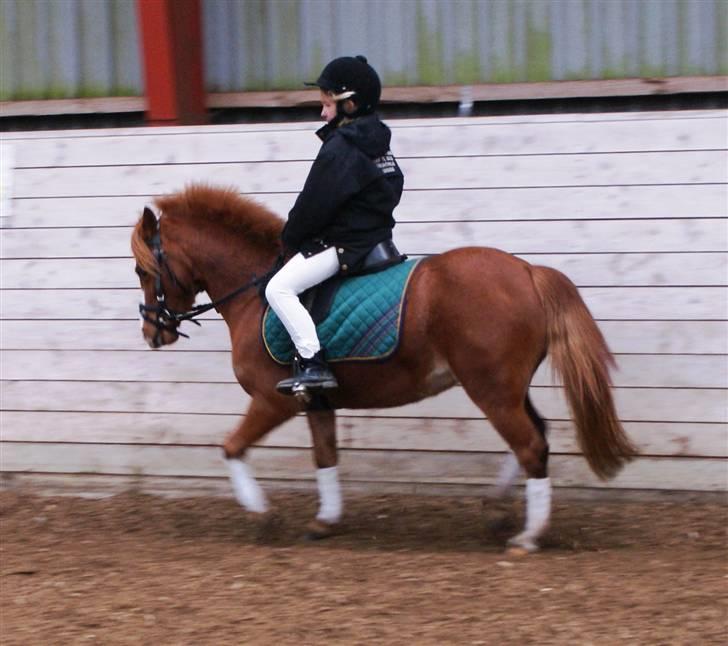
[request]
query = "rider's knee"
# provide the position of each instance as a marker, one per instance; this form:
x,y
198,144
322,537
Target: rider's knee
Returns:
x,y
273,290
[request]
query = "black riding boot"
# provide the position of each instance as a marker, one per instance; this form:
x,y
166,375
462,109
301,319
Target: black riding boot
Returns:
x,y
313,374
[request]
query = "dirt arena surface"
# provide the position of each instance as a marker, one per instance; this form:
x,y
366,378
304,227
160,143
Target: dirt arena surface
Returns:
x,y
138,569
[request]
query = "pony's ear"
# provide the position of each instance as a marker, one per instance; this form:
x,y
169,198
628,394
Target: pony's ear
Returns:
x,y
149,223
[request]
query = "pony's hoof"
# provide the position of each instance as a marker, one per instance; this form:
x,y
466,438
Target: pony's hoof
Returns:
x,y
516,551
521,546
318,530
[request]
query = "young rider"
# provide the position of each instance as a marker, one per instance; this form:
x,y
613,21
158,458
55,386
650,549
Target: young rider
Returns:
x,y
342,213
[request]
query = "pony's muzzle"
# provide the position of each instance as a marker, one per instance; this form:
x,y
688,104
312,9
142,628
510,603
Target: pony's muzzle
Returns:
x,y
153,342
156,336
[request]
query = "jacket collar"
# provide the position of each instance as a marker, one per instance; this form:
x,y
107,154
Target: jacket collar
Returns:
x,y
325,131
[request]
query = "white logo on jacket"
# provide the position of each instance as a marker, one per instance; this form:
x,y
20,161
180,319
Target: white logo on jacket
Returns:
x,y
386,163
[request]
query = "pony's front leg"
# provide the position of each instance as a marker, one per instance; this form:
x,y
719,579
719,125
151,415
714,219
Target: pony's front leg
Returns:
x,y
247,490
323,433
261,418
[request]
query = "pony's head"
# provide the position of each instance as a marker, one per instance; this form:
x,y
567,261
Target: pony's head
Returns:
x,y
210,234
165,282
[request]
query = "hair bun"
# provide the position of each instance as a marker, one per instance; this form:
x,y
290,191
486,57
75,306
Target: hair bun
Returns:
x,y
361,58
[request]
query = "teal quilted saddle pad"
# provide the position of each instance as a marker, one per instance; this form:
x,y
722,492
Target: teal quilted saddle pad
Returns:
x,y
364,321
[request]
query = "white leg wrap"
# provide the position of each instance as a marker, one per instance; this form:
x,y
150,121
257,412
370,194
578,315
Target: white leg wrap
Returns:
x,y
538,506
247,490
329,495
509,471
538,511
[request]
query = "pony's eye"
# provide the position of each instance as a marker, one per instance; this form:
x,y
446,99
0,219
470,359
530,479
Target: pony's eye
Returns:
x,y
140,272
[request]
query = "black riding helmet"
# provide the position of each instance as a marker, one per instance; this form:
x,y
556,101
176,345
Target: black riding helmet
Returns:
x,y
351,77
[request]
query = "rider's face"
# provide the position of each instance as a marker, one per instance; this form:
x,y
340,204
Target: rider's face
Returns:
x,y
328,107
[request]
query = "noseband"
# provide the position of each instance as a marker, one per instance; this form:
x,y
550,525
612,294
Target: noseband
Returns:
x,y
166,319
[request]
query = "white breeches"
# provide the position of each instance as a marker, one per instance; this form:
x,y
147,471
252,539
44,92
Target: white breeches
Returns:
x,y
296,276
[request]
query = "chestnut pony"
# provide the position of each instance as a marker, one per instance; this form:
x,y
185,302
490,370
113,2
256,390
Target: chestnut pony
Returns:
x,y
475,316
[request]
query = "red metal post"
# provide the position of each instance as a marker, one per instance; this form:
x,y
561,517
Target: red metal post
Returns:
x,y
171,33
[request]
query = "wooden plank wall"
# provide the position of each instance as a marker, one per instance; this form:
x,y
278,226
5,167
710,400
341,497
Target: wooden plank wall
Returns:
x,y
631,206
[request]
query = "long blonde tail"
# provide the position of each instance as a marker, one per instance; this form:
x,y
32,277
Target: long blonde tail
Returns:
x,y
580,356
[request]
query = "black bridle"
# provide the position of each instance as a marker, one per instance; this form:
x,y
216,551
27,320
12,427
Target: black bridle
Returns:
x,y
168,320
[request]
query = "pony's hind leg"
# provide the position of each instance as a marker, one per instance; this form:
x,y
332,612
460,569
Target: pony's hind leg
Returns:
x,y
504,399
511,468
322,423
524,431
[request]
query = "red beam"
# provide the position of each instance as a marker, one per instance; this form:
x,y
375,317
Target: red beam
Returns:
x,y
171,33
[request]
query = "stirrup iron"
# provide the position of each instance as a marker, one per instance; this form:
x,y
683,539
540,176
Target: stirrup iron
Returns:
x,y
301,393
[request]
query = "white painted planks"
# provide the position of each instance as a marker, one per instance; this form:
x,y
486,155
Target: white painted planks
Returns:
x,y
624,337
431,205
704,405
635,370
437,467
632,207
603,269
612,303
440,138
451,173
357,432
521,238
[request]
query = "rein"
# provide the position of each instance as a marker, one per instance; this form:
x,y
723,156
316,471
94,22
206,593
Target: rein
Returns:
x,y
167,319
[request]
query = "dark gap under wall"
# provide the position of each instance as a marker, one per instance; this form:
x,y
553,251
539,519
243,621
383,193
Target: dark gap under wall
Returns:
x,y
688,101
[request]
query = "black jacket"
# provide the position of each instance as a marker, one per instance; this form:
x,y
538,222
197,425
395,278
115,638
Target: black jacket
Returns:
x,y
349,195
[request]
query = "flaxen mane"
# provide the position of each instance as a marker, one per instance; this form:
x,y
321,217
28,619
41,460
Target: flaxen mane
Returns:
x,y
143,255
